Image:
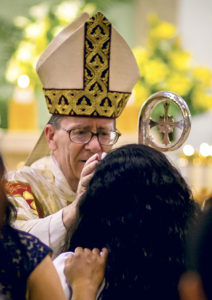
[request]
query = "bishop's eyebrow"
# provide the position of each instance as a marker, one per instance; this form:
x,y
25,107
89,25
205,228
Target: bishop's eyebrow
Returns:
x,y
81,127
88,127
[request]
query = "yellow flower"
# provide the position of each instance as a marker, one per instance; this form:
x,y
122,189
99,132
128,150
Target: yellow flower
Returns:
x,y
21,21
25,51
39,11
42,40
155,71
140,54
177,42
13,70
203,75
163,31
141,57
57,29
180,59
35,30
89,8
198,96
178,83
141,94
208,101
67,11
200,99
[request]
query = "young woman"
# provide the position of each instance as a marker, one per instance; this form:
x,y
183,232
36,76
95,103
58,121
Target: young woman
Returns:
x,y
26,268
137,205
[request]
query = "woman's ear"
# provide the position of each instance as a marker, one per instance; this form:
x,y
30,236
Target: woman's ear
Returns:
x,y
190,287
50,132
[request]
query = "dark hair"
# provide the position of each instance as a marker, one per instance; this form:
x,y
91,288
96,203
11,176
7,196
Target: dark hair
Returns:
x,y
199,250
137,205
7,210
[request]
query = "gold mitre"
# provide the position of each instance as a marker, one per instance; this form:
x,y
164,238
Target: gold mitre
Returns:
x,y
88,69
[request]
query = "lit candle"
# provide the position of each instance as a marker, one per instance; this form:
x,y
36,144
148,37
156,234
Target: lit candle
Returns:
x,y
23,107
186,163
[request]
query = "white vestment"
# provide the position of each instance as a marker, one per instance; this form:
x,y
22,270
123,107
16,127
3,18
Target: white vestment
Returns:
x,y
39,193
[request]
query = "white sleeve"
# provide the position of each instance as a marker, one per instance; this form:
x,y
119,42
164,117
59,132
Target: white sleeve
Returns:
x,y
59,264
51,231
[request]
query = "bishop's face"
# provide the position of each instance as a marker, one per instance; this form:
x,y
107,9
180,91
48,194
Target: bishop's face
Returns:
x,y
72,156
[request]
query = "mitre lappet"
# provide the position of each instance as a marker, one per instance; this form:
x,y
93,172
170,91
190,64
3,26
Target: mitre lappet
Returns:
x,y
88,69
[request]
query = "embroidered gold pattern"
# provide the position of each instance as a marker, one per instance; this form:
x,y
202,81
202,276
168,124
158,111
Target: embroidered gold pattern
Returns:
x,y
23,189
95,99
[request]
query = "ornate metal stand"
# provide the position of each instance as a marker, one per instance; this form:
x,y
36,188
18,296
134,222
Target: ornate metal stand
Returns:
x,y
166,123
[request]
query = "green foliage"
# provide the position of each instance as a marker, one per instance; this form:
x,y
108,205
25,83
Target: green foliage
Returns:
x,y
9,39
39,28
102,5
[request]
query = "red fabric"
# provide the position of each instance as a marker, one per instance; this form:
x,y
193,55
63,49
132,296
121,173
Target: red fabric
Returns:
x,y
20,189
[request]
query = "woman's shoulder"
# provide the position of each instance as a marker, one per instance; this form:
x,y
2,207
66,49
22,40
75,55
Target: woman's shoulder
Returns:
x,y
35,249
25,247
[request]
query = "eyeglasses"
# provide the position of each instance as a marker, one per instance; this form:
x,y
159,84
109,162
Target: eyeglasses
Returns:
x,y
81,136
